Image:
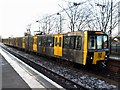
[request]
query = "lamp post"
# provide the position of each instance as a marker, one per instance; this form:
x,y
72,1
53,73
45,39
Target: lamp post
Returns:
x,y
39,24
60,23
28,30
102,15
111,26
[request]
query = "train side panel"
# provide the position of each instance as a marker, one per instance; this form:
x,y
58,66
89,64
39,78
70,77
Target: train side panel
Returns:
x,y
85,47
20,42
49,45
72,47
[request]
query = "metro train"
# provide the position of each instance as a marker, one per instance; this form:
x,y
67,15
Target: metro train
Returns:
x,y
82,47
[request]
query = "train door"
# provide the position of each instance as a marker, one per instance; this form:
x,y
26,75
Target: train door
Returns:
x,y
23,42
58,40
35,43
16,42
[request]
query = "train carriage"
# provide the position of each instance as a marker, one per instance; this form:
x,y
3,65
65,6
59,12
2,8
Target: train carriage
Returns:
x,y
50,45
34,44
88,47
45,44
83,47
72,46
98,50
28,43
19,42
16,42
69,46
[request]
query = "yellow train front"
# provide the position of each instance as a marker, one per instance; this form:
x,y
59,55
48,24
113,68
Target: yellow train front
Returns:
x,y
95,47
83,47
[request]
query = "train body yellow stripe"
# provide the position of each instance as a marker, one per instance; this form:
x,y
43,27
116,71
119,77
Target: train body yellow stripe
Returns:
x,y
23,42
85,49
98,56
35,43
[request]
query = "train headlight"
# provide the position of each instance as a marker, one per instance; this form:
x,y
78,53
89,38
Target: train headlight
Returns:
x,y
91,58
106,56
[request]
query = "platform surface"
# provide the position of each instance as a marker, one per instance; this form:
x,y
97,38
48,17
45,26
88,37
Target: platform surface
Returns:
x,y
10,79
15,74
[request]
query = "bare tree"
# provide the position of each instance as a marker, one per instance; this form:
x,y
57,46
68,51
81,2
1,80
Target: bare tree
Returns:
x,y
77,16
47,24
51,24
101,12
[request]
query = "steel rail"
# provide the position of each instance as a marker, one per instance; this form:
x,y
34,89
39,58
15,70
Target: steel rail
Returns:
x,y
54,76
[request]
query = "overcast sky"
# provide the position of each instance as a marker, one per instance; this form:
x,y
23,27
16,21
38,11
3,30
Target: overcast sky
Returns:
x,y
15,15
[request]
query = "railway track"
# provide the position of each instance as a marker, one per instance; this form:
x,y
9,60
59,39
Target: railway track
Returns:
x,y
66,83
60,78
114,69
114,65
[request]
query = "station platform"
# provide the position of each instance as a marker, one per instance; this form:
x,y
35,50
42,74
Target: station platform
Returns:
x,y
115,57
15,74
10,79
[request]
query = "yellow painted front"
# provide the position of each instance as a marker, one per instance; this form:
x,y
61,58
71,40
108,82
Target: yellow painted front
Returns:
x,y
35,43
85,49
98,56
23,42
58,40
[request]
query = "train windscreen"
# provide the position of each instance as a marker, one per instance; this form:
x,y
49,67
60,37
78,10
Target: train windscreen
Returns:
x,y
97,42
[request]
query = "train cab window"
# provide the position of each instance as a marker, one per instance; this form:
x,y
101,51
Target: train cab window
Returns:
x,y
105,42
78,42
99,42
92,42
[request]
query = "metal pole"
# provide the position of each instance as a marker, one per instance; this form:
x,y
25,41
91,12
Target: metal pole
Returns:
x,y
39,26
102,14
111,27
60,23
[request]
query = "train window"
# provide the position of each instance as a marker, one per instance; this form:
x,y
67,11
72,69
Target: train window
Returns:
x,y
66,42
60,39
40,41
92,42
72,42
44,39
99,42
78,42
50,41
56,40
105,41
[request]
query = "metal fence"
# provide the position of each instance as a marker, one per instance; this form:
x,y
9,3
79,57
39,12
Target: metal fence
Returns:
x,y
116,49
